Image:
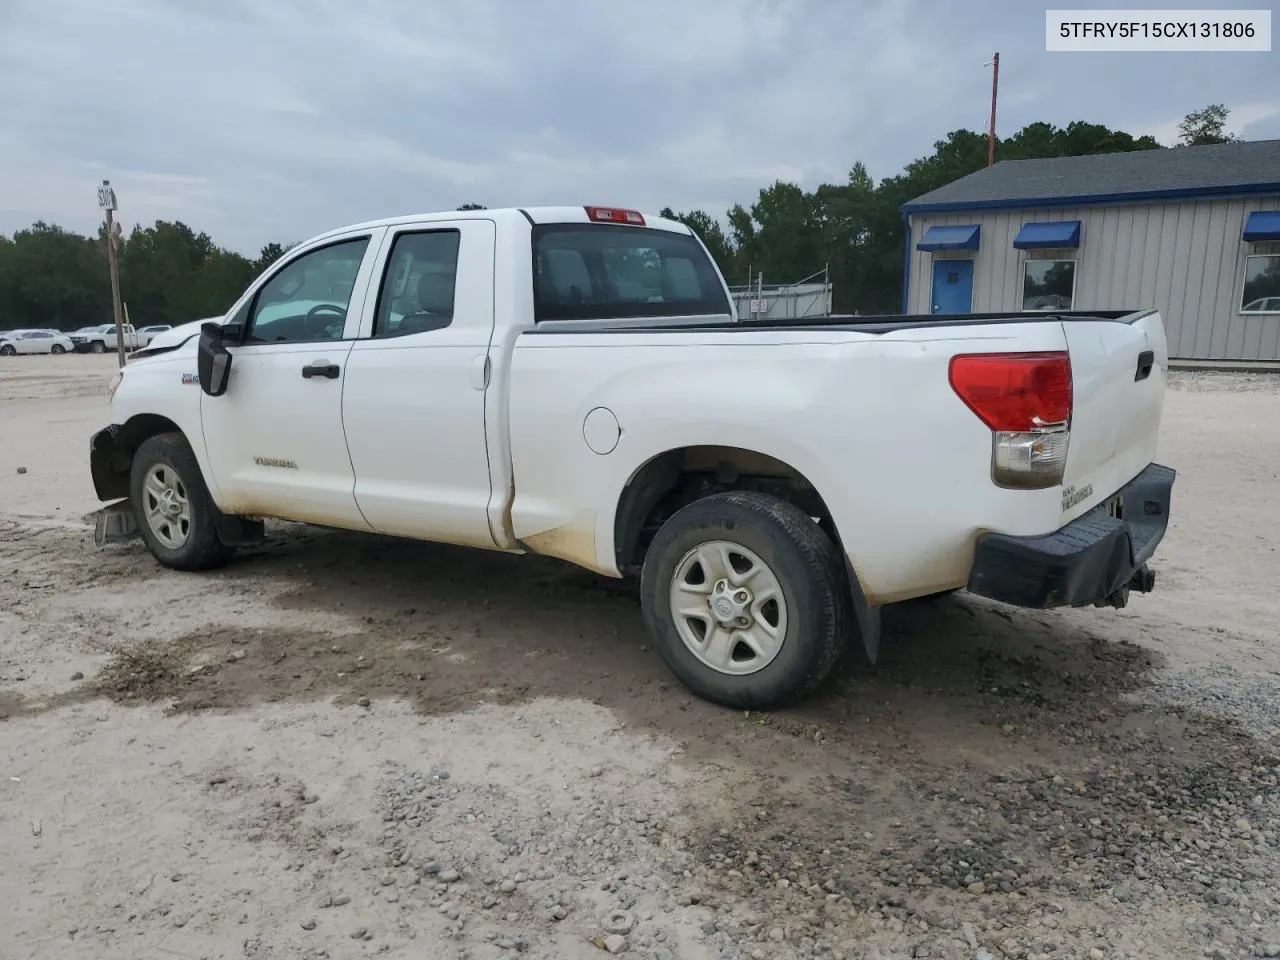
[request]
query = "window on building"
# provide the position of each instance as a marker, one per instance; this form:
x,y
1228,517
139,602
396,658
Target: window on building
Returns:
x,y
1261,284
1048,284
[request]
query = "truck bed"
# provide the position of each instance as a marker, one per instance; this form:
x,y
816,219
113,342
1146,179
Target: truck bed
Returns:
x,y
885,323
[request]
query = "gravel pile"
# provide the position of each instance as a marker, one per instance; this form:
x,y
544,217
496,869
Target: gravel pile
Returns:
x,y
518,880
590,873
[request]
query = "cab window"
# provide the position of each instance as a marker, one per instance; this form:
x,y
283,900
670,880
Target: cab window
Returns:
x,y
611,272
308,299
418,284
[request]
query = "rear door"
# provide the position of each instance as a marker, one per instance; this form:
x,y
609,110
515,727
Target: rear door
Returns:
x,y
414,402
275,441
1118,374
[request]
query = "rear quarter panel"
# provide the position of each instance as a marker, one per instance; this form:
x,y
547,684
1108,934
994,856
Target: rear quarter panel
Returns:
x,y
871,422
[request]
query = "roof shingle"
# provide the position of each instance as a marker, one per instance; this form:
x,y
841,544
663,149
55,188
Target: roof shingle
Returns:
x,y
1219,167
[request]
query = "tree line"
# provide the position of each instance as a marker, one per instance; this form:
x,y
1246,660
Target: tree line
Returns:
x,y
169,273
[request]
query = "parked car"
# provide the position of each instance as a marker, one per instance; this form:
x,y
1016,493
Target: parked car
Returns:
x,y
102,338
34,341
91,339
773,485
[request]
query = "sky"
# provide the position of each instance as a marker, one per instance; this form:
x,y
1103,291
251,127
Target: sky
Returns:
x,y
275,120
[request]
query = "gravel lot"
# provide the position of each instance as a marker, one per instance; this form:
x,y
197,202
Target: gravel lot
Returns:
x,y
344,747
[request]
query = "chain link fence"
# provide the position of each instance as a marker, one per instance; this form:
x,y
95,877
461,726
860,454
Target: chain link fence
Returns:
x,y
810,297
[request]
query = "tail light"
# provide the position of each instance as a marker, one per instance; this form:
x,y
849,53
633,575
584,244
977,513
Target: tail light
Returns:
x,y
1025,400
632,218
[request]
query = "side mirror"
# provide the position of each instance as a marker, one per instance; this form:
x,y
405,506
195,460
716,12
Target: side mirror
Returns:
x,y
213,361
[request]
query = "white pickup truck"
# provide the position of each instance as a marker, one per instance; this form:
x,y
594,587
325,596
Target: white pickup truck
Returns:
x,y
102,338
574,382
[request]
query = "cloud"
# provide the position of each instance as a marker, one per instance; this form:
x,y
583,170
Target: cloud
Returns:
x,y
259,121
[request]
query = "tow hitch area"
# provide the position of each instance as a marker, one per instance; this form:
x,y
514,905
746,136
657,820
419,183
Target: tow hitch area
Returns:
x,y
1143,580
114,523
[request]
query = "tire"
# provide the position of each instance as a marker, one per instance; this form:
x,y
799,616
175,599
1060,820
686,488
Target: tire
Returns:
x,y
810,627
7,350
184,537
98,347
57,348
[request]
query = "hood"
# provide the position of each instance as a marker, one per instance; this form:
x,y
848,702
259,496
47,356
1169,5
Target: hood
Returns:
x,y
179,334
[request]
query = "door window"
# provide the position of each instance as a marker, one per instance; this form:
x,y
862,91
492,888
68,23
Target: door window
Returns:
x,y
308,299
418,284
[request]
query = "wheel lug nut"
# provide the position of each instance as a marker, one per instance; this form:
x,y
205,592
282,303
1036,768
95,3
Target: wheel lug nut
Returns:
x,y
741,596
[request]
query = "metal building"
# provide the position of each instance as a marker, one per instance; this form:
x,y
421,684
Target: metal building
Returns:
x,y
1191,231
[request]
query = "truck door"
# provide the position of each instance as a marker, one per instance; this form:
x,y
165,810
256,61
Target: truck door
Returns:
x,y
275,441
414,402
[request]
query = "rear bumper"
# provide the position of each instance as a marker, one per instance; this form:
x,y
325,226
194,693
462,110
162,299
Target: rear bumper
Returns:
x,y
1094,559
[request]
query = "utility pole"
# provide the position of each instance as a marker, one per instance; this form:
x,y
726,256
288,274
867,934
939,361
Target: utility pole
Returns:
x,y
107,201
991,130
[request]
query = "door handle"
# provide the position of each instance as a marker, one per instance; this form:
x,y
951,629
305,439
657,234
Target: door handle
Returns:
x,y
320,368
1146,360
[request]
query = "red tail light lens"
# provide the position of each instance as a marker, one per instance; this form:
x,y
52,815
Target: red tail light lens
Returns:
x,y
1014,392
632,218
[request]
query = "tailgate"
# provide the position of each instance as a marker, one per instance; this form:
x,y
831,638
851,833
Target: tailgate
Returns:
x,y
1117,373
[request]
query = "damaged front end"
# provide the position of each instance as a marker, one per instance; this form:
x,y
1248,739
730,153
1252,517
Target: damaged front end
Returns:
x,y
111,453
109,465
114,523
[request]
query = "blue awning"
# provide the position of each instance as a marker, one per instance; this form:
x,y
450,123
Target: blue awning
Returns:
x,y
1262,226
950,238
1043,236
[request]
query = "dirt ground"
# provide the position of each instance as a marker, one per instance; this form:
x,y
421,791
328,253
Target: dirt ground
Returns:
x,y
346,747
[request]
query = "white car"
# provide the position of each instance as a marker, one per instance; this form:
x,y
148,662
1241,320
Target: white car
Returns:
x,y
34,341
481,379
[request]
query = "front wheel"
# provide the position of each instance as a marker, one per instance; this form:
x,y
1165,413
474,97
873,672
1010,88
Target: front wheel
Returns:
x,y
57,348
172,506
746,600
98,347
7,350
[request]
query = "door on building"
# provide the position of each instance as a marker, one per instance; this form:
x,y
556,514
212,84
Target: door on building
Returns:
x,y
952,286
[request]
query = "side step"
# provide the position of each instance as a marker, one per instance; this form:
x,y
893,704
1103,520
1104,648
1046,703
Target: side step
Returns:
x,y
114,523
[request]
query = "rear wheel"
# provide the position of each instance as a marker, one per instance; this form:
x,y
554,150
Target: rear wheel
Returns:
x,y
746,600
57,348
172,506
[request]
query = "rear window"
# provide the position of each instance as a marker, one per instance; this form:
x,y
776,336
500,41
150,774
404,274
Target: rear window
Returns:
x,y
606,272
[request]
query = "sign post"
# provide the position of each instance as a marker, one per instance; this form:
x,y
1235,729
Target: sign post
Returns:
x,y
107,201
